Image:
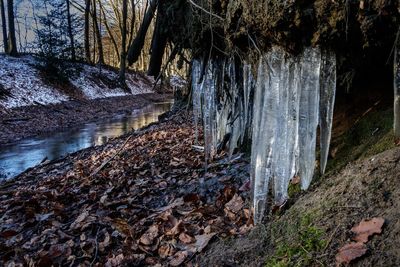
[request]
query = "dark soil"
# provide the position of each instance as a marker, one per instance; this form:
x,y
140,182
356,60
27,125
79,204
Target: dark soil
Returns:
x,y
29,121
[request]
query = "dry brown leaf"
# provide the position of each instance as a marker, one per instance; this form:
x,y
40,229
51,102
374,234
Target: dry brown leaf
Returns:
x,y
148,237
201,242
185,238
235,204
349,252
367,228
178,258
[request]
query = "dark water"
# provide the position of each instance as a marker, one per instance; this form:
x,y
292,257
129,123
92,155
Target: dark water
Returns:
x,y
18,157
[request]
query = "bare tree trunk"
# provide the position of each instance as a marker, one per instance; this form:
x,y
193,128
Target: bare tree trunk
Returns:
x,y
109,31
4,26
138,43
397,91
158,45
132,26
87,31
70,34
123,44
98,35
12,41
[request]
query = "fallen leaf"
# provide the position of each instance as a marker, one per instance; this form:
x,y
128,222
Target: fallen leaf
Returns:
x,y
201,242
185,238
178,258
148,237
349,252
235,204
367,228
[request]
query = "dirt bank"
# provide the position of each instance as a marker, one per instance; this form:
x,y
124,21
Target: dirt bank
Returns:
x,y
34,120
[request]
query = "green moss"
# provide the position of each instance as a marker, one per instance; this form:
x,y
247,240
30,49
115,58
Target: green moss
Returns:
x,y
299,240
294,189
371,135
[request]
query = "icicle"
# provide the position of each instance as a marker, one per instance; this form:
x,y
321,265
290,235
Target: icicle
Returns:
x,y
309,108
209,112
286,129
396,86
327,102
248,87
266,124
196,96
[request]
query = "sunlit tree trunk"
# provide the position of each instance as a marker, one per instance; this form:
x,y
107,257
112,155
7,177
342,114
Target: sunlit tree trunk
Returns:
x,y
4,25
12,41
123,44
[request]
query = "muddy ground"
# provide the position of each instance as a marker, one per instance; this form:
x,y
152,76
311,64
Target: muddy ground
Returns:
x,y
29,121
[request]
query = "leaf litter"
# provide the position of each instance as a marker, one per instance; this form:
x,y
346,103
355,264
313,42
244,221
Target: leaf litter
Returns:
x,y
145,206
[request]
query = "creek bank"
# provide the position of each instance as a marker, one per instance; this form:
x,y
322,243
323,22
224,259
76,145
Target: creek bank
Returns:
x,y
28,121
135,201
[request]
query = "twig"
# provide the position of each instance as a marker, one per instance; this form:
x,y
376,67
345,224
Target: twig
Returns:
x,y
97,248
330,238
208,12
111,158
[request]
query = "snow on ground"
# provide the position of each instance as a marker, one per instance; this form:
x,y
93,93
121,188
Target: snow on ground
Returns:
x,y
93,83
24,82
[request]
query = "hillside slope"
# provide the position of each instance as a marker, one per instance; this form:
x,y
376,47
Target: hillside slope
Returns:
x,y
26,85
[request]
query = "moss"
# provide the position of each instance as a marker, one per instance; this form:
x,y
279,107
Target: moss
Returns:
x,y
294,190
298,243
371,135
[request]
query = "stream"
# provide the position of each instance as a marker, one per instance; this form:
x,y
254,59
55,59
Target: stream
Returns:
x,y
17,157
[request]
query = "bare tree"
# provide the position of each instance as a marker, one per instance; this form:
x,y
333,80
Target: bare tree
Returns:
x,y
138,43
4,25
123,44
70,34
97,34
12,41
87,31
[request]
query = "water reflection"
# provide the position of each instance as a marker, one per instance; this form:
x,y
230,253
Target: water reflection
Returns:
x,y
17,157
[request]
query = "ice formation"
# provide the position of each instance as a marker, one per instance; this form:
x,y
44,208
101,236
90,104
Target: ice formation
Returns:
x,y
396,86
291,96
294,95
221,101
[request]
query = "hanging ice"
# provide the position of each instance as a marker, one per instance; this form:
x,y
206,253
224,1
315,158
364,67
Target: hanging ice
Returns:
x,y
287,128
285,120
266,104
327,91
209,113
196,96
396,86
310,63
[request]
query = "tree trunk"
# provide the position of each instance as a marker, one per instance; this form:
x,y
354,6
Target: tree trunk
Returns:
x,y
12,41
4,25
87,31
98,35
70,33
158,45
123,44
397,91
137,45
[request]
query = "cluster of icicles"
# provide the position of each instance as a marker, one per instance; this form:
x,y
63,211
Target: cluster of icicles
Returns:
x,y
291,97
